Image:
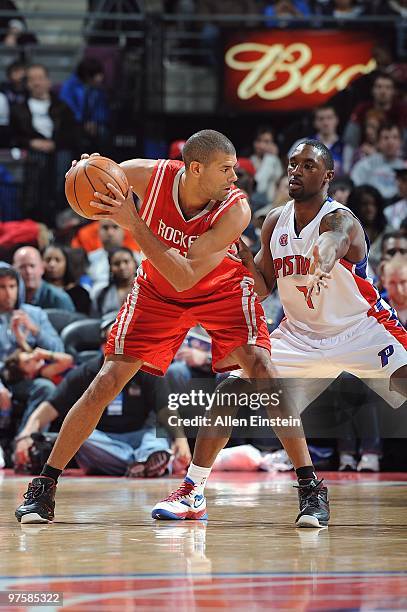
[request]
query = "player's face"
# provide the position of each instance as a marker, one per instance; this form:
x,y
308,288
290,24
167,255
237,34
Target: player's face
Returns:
x,y
8,293
218,176
307,173
55,264
122,266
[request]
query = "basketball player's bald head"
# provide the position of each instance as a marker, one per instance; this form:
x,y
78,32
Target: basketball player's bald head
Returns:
x,y
203,145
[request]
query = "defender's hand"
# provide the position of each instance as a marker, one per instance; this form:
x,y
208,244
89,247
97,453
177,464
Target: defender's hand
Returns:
x,y
318,277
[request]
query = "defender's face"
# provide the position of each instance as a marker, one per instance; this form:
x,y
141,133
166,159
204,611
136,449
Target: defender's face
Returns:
x,y
218,176
307,173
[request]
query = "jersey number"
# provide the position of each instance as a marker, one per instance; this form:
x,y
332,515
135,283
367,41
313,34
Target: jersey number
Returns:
x,y
303,289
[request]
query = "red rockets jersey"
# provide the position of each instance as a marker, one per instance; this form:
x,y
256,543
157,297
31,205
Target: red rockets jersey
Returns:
x,y
162,213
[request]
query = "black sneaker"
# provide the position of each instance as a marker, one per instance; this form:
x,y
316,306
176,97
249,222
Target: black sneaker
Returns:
x,y
39,503
314,504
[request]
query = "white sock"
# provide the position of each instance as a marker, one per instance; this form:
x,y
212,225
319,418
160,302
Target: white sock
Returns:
x,y
198,475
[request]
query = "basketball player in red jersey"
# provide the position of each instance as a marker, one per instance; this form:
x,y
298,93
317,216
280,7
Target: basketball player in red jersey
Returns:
x,y
190,218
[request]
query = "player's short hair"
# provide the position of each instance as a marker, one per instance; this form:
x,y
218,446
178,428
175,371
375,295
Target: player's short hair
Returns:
x,y
202,145
322,150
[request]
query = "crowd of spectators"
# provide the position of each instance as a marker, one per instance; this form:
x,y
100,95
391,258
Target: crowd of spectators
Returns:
x,y
55,261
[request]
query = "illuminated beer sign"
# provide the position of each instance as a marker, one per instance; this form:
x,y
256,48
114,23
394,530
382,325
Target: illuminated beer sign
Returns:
x,y
292,70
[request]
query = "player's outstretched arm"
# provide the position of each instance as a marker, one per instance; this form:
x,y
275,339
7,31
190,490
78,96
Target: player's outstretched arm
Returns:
x,y
205,253
338,230
261,267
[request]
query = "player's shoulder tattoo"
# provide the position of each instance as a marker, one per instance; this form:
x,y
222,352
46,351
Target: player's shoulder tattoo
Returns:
x,y
338,221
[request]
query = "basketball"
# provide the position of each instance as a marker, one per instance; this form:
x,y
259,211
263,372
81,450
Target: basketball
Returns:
x,y
90,175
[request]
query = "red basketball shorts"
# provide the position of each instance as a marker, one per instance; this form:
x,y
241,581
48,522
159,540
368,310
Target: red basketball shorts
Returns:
x,y
150,328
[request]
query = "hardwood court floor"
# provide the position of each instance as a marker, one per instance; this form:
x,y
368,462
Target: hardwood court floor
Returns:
x,y
104,552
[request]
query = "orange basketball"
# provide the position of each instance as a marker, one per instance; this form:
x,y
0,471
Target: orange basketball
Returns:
x,y
90,175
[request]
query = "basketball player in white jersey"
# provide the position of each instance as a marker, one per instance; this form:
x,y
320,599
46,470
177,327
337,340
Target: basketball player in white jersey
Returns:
x,y
190,218
316,250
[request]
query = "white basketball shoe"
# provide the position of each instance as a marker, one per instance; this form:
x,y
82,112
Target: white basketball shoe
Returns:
x,y
187,502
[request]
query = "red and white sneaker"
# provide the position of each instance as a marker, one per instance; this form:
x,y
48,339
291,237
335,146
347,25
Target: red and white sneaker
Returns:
x,y
184,503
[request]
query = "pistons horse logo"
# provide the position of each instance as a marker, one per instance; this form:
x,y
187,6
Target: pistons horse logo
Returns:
x,y
283,239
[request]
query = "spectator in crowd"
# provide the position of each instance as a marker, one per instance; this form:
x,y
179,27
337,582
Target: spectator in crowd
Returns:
x,y
12,91
22,323
393,243
378,169
245,172
394,279
326,123
122,272
343,9
59,271
83,92
112,237
396,213
43,123
13,29
126,440
285,9
46,127
267,164
340,188
15,86
367,204
372,122
359,445
17,34
385,102
28,262
88,238
26,364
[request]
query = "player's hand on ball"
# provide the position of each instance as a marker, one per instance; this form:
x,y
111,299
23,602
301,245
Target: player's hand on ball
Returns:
x,y
120,208
318,277
83,156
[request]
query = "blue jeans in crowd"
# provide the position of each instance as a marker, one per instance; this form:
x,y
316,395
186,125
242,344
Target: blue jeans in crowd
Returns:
x,y
31,393
111,453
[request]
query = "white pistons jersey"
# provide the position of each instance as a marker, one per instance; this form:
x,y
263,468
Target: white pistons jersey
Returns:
x,y
350,296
